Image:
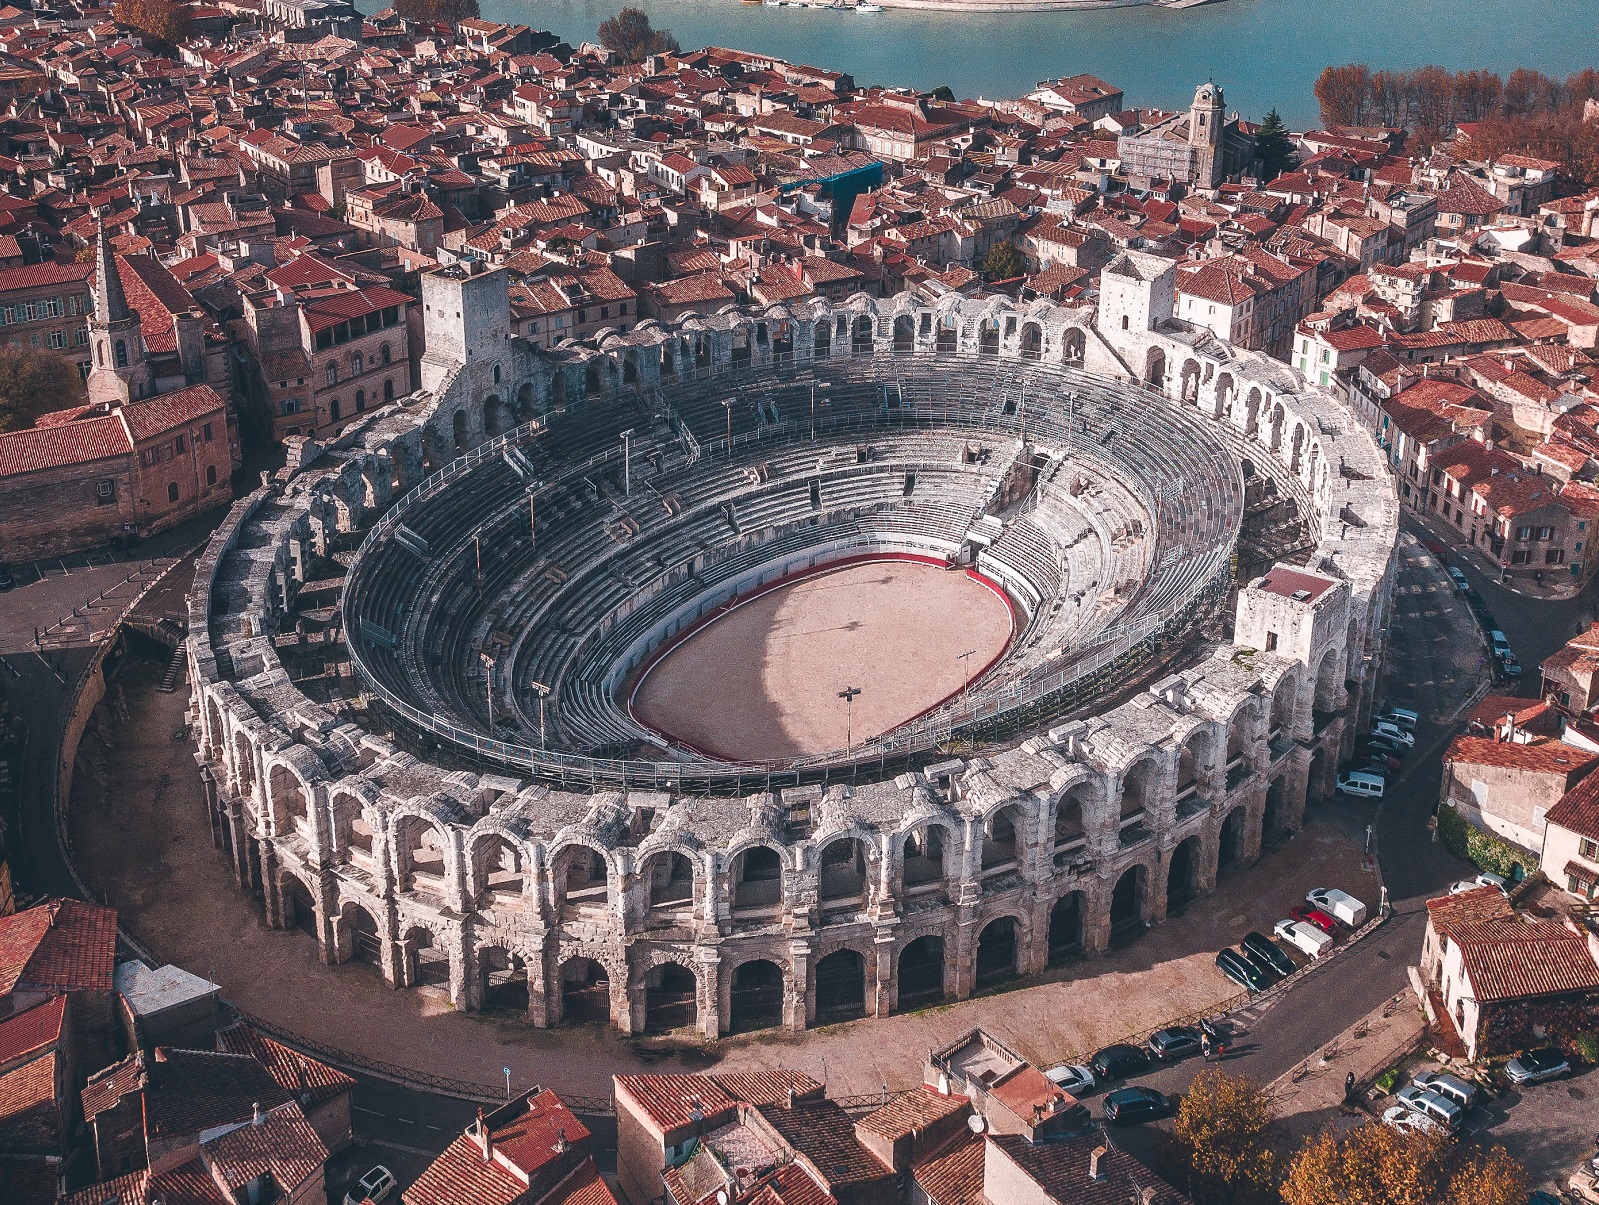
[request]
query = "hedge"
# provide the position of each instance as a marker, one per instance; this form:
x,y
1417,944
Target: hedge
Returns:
x,y
1489,852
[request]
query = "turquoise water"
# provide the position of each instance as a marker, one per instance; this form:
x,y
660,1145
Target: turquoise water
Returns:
x,y
1262,52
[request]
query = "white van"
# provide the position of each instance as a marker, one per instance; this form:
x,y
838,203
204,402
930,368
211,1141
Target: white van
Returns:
x,y
1307,939
1358,782
1338,904
1402,716
1394,733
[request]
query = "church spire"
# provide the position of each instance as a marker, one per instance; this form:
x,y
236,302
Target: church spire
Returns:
x,y
110,304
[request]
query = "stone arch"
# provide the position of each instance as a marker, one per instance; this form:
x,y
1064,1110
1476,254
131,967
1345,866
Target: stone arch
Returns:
x,y
948,342
1252,403
1140,782
861,339
499,870
216,733
1196,761
782,341
459,434
297,903
1297,448
998,951
1074,346
1230,846
1329,681
822,340
842,867
1276,417
1284,706
353,834
524,402
921,972
421,848
1189,378
289,798
1003,840
425,963
925,857
904,335
358,935
756,991
630,367
1275,820
585,991
669,878
1077,807
757,883
1032,341
1066,927
502,979
580,880
1155,368
988,337
1182,874
1242,733
496,417
558,391
1127,903
671,997
1225,388
840,987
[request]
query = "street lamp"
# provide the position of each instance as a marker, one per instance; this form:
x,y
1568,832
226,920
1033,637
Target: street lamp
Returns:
x,y
542,691
488,685
848,695
627,463
966,676
727,404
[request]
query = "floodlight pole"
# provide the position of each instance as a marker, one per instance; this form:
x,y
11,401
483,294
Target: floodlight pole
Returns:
x,y
488,686
477,553
627,463
541,690
848,695
966,674
727,404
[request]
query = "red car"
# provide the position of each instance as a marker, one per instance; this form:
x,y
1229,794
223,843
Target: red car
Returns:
x,y
1315,916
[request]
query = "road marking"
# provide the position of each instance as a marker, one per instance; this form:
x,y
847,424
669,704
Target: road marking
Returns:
x,y
400,1146
368,1112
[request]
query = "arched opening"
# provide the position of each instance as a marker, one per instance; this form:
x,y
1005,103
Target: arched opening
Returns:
x,y
630,368
288,797
1071,837
1194,765
358,936
495,417
1329,698
948,340
757,883
1230,852
1181,881
782,340
122,354
988,338
904,335
921,973
1032,344
1001,842
671,998
1155,368
496,370
741,345
756,999
360,397
524,402
1073,346
1066,928
1224,393
822,344
862,341
996,952
1252,411
299,908
384,354
581,883
1283,700
1297,448
842,880
1190,382
840,987
352,832
1275,825
702,352
585,992
504,980
670,877
422,859
426,966
497,870
558,391
335,411
926,875
459,432
591,378
1138,792
1127,906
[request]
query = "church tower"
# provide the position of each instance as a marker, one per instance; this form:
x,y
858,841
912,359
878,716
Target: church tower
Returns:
x,y
120,370
1205,126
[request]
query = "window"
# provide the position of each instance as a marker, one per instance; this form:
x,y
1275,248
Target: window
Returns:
x,y
388,391
1523,533
58,339
105,491
605,311
1520,558
1271,642
172,491
1554,556
356,364
205,433
496,374
210,474
1546,533
333,374
291,405
122,354
1588,848
177,446
384,354
80,336
1124,322
360,401
333,409
51,307
623,310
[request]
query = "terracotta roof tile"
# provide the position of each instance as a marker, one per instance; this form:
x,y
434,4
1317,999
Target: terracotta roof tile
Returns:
x,y
33,1029
954,1176
65,944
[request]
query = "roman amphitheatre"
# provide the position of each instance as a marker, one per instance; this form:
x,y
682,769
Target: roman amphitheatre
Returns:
x,y
792,665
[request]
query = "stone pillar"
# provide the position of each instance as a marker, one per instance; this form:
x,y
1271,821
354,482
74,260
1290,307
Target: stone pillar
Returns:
x,y
1154,901
239,831
885,997
540,999
269,883
1096,914
326,936
1033,957
213,807
965,953
1209,856
707,990
799,1001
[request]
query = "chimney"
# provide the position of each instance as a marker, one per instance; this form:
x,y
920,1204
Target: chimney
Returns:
x,y
561,1144
943,1084
1093,1162
259,1117
484,1142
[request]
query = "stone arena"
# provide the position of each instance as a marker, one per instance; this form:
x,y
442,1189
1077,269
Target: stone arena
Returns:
x,y
422,655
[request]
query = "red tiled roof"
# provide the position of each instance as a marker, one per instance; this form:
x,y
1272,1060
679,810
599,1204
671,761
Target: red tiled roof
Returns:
x,y
1288,582
294,1072
65,944
1544,757
1507,958
28,1113
954,1176
911,1111
1578,809
32,1029
330,309
34,449
37,276
167,411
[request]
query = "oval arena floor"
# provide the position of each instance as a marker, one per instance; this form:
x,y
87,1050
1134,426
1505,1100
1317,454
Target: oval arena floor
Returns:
x,y
761,679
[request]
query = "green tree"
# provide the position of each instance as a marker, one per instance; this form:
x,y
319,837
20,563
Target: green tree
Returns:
x,y
1272,147
436,12
1221,1135
631,36
1002,262
943,93
34,383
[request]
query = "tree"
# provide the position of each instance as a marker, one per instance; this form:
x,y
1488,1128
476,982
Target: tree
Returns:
x,y
34,383
1002,262
163,20
1344,94
437,12
631,36
1272,147
1378,1165
943,93
1221,1137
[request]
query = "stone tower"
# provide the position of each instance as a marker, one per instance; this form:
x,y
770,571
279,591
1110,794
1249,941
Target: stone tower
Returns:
x,y
120,369
466,314
1205,125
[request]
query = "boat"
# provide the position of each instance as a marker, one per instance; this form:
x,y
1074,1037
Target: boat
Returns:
x,y
864,7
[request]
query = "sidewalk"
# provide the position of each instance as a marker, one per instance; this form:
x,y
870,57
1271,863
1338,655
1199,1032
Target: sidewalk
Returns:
x,y
1310,1097
1555,587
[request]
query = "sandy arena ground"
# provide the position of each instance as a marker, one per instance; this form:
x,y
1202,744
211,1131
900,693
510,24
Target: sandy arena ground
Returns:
x,y
761,681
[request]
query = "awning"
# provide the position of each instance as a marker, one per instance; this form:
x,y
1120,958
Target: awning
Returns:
x,y
1585,877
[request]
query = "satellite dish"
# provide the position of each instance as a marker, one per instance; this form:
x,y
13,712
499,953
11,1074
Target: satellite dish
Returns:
x,y
974,1123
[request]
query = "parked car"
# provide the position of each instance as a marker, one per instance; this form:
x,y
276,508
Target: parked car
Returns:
x,y
375,1186
1499,642
1174,1043
1339,905
1485,879
1456,1089
1509,664
1459,578
1386,745
1406,1120
1536,1066
1074,1079
1129,1106
1264,947
1241,971
1118,1062
1382,757
1402,716
1395,733
1307,939
1315,916
1431,1104
1362,785
1260,963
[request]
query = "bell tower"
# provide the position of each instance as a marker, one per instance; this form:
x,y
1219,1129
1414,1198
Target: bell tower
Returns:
x,y
120,370
1206,123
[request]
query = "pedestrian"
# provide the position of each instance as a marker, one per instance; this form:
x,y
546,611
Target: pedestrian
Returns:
x,y
1205,1046
1349,1086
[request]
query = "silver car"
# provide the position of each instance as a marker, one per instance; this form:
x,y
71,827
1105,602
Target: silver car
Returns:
x,y
1073,1079
1537,1065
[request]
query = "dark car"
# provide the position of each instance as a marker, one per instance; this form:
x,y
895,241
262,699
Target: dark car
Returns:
x,y
1375,742
1383,758
1241,971
1174,1043
1262,946
1129,1106
1118,1062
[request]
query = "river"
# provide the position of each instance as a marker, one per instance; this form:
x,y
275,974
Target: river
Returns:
x,y
1262,52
